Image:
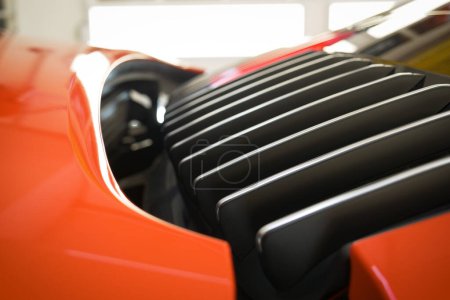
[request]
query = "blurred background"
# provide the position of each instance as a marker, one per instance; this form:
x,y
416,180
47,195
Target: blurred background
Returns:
x,y
204,33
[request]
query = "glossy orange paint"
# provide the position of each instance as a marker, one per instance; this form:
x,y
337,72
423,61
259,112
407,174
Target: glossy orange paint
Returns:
x,y
66,229
412,262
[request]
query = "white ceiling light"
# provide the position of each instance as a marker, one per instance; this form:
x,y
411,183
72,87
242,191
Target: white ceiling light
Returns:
x,y
207,30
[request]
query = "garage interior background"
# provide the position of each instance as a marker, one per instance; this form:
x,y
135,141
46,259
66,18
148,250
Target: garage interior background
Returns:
x,y
203,33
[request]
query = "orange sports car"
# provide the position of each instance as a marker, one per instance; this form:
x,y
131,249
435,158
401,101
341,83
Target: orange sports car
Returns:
x,y
316,172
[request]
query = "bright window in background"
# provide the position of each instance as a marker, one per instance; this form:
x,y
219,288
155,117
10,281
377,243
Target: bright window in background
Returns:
x,y
342,14
405,15
207,30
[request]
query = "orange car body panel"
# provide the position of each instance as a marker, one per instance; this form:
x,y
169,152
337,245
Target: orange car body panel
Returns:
x,y
411,262
66,229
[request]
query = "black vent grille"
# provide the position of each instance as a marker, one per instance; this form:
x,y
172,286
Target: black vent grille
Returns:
x,y
260,76
300,158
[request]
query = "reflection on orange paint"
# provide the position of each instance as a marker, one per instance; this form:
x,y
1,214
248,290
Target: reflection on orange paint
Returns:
x,y
318,43
412,262
66,230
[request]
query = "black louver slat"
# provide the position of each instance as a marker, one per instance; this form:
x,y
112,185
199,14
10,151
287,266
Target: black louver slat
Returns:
x,y
207,101
195,105
277,106
302,146
207,118
246,80
201,85
317,231
328,175
224,106
196,87
298,119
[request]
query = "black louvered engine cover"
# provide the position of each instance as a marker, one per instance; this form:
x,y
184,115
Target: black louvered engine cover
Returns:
x,y
293,162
